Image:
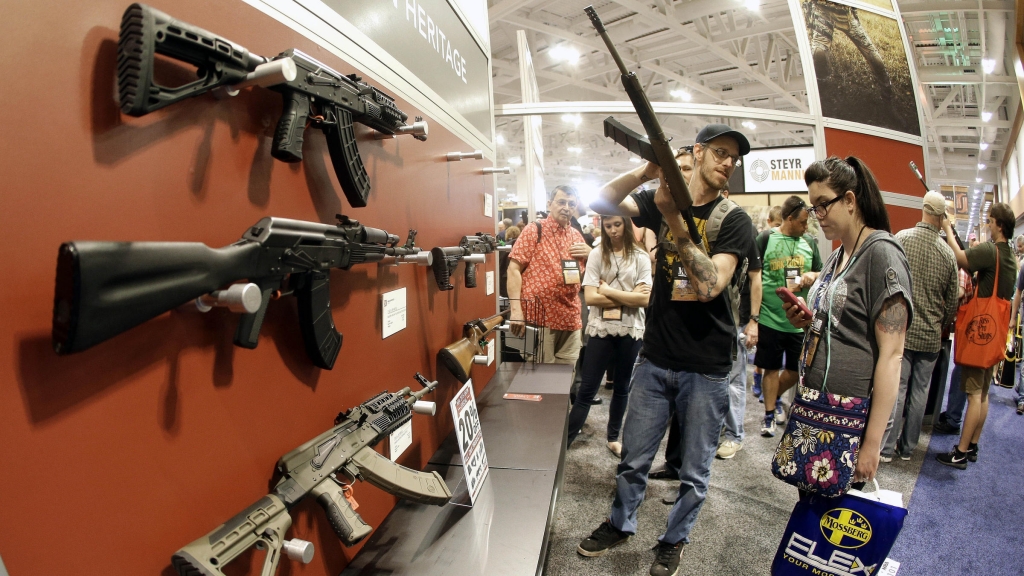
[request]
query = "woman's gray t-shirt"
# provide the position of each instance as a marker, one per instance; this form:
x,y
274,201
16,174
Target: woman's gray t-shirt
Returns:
x,y
879,270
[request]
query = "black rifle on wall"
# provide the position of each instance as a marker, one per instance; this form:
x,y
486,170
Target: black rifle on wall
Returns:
x,y
313,92
471,249
656,143
106,288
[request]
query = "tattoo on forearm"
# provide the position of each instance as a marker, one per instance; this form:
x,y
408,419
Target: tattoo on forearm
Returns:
x,y
893,318
699,267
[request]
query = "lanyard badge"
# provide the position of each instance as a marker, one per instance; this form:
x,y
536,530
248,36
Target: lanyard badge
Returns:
x,y
570,272
682,291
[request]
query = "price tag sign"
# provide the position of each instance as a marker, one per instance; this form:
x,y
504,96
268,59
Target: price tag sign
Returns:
x,y
470,438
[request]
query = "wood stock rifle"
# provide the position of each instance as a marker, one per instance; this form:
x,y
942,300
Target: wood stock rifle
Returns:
x,y
459,356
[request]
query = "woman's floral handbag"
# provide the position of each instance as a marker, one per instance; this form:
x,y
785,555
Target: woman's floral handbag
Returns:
x,y
818,451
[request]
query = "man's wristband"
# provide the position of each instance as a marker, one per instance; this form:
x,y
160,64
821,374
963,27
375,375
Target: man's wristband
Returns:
x,y
755,318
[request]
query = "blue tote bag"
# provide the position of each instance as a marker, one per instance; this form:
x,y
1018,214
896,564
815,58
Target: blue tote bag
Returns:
x,y
846,536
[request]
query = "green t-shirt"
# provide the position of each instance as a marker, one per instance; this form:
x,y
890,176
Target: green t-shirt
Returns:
x,y
982,259
782,254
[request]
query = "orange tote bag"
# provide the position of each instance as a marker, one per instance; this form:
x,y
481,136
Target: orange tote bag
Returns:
x,y
981,327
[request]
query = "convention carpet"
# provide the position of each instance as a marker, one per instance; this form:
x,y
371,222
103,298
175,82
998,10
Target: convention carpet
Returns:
x,y
739,527
970,521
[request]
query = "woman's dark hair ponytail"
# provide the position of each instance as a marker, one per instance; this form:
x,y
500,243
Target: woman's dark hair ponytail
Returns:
x,y
852,174
869,198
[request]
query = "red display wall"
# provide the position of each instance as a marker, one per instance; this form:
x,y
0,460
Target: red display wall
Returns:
x,y
890,161
114,458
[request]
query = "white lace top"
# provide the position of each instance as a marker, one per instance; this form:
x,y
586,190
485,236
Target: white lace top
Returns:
x,y
622,273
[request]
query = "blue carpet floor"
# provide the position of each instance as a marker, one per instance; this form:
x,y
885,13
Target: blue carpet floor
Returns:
x,y
970,521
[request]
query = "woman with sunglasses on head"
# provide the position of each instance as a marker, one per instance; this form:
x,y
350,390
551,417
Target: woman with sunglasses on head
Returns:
x,y
860,306
617,287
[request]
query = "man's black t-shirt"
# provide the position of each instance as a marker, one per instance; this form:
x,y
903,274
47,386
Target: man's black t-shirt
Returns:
x,y
753,265
691,336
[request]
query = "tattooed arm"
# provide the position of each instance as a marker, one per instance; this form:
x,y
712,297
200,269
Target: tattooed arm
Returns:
x,y
890,334
708,275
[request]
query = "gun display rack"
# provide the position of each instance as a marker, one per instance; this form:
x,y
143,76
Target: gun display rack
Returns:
x,y
526,348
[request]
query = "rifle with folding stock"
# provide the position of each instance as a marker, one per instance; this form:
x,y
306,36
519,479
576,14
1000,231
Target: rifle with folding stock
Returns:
x,y
313,92
310,470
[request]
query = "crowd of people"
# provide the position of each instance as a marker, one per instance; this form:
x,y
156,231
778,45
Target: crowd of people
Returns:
x,y
668,304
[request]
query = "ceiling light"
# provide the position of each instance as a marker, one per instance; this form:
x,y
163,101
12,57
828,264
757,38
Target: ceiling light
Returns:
x,y
749,125
635,160
977,179
984,145
574,119
981,166
576,168
565,53
500,189
515,161
988,65
752,4
986,116
499,139
575,149
681,94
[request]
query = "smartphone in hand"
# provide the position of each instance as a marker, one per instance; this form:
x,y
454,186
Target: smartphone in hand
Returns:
x,y
787,296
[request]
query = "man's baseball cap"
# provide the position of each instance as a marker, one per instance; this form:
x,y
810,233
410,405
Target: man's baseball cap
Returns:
x,y
712,131
934,203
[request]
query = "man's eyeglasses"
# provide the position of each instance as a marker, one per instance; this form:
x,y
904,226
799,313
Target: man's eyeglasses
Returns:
x,y
821,210
721,154
570,203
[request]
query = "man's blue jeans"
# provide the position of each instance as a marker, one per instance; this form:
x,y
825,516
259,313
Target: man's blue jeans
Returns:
x,y
701,401
956,400
915,379
737,394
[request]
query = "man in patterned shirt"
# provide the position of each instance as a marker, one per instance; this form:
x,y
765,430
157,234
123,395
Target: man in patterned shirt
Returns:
x,y
934,272
546,266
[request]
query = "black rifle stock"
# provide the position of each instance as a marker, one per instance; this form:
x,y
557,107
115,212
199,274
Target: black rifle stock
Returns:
x,y
458,356
656,139
106,288
318,95
445,260
310,470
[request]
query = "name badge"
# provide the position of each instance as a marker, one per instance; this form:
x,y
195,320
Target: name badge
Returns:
x,y
681,289
611,313
813,338
793,279
570,272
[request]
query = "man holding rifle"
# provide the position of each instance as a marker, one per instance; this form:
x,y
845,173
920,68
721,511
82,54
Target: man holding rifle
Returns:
x,y
689,341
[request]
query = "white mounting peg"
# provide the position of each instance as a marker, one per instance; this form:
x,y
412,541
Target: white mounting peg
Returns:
x,y
273,72
475,258
424,407
241,298
505,248
420,259
503,170
417,128
300,550
474,155
480,359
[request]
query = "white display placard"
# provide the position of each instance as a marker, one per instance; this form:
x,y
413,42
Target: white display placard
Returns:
x,y
490,284
471,439
392,312
400,439
488,204
777,169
